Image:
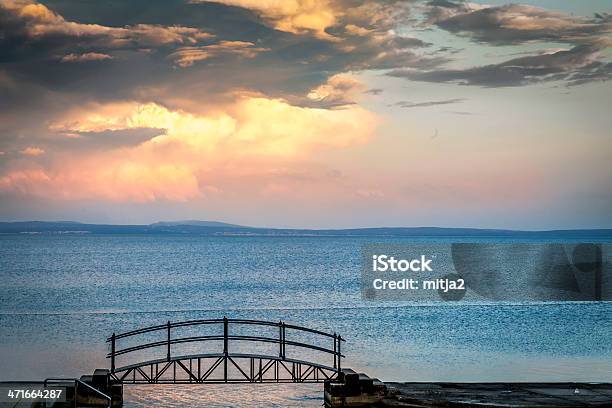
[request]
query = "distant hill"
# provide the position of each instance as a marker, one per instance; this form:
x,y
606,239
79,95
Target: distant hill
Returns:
x,y
39,226
215,228
195,223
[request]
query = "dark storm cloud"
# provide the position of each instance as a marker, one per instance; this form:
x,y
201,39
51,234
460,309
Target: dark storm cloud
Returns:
x,y
119,50
518,24
515,23
441,10
59,54
406,104
598,71
166,50
577,65
29,29
42,51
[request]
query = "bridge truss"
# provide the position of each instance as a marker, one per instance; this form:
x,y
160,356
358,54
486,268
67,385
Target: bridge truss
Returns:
x,y
226,366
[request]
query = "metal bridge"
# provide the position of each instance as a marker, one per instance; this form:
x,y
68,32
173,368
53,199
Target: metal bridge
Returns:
x,y
229,364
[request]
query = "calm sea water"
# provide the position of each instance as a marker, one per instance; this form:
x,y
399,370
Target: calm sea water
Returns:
x,y
62,295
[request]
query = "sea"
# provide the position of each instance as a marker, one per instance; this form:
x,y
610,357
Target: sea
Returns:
x,y
62,295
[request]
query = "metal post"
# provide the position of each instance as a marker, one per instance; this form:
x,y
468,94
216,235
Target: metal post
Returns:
x,y
284,342
335,350
280,339
225,330
168,355
113,353
339,353
225,347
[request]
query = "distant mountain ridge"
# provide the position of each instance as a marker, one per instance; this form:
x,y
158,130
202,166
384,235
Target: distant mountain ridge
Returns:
x,y
195,223
216,228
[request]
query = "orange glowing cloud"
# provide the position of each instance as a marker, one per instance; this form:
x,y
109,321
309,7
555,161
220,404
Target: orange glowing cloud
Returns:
x,y
294,16
194,155
339,90
86,57
32,151
187,56
253,125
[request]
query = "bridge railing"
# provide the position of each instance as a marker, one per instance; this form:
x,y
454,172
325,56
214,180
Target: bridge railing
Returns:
x,y
227,337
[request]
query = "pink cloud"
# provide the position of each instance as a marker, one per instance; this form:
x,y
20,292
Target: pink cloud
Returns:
x,y
242,146
32,151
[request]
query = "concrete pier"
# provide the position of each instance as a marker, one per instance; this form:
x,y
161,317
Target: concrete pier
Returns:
x,y
352,389
80,395
498,395
100,380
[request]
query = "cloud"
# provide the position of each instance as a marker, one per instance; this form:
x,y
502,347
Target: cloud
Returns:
x,y
516,24
597,72
190,154
355,34
294,16
111,181
187,56
575,66
513,24
252,125
374,91
405,104
147,49
386,51
88,56
339,90
331,20
80,143
26,22
32,151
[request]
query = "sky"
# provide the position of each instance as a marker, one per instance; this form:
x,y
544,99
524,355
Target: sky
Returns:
x,y
307,114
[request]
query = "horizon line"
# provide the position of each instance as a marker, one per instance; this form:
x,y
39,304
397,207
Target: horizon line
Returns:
x,y
232,225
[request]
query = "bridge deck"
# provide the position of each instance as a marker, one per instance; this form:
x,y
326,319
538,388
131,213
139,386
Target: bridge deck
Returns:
x,y
220,355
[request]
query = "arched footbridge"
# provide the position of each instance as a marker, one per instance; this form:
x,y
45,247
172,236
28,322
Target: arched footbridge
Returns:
x,y
224,351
